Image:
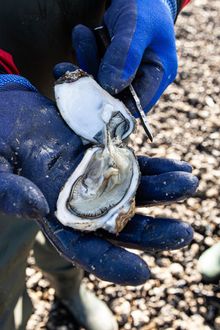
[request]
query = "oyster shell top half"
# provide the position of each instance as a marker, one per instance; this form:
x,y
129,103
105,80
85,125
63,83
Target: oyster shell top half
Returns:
x,y
100,193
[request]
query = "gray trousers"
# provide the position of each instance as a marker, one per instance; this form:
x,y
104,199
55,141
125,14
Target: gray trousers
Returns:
x,y
17,238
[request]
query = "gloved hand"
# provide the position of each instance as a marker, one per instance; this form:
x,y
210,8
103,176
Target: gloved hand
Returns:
x,y
38,152
142,49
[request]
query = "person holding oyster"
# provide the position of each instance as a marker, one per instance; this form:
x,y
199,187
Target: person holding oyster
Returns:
x,y
39,151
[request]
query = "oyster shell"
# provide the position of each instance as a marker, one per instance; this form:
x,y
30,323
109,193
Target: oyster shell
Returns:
x,y
81,102
101,191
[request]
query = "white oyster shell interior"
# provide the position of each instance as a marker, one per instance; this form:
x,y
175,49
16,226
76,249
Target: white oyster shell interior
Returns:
x,y
82,103
99,191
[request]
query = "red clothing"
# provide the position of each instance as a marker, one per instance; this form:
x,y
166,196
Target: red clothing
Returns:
x,y
7,63
184,3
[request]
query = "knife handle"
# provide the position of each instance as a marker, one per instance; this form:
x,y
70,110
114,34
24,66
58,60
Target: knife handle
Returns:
x,y
102,38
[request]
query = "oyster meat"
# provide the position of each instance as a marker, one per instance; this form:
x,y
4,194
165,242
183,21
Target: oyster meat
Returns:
x,y
101,191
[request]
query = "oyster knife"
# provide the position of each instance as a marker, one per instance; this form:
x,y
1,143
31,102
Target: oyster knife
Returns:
x,y
103,41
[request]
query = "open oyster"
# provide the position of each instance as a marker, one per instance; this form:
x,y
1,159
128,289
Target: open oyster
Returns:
x,y
101,191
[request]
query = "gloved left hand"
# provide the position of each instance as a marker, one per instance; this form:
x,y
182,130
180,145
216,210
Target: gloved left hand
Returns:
x,y
38,152
142,49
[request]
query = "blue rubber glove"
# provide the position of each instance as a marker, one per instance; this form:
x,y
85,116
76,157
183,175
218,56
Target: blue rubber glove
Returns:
x,y
38,152
142,49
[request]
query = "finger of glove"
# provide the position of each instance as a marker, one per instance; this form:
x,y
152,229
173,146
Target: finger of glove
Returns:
x,y
166,188
19,196
130,36
155,166
84,44
61,68
96,255
154,75
154,234
159,63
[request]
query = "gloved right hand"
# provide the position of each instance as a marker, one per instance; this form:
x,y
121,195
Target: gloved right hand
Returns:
x,y
142,50
38,152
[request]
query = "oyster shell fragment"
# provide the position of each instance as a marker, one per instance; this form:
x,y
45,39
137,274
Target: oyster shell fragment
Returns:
x,y
101,191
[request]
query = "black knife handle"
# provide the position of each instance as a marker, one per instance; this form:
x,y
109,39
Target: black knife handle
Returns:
x,y
103,39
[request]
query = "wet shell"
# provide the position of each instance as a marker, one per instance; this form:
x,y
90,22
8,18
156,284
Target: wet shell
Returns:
x,y
93,199
81,102
101,191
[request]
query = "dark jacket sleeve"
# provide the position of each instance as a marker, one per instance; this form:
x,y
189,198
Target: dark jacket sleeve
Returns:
x,y
2,70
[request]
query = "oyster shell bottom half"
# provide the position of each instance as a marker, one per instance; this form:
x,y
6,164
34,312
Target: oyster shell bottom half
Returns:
x,y
101,191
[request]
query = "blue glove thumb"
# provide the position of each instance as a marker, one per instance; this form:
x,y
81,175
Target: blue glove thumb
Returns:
x,y
84,44
21,197
18,195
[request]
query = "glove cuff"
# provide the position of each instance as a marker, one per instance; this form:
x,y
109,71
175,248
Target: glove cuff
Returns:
x,y
12,82
172,5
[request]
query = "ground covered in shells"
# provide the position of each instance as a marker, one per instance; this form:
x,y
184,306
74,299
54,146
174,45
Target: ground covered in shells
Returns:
x,y
186,125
